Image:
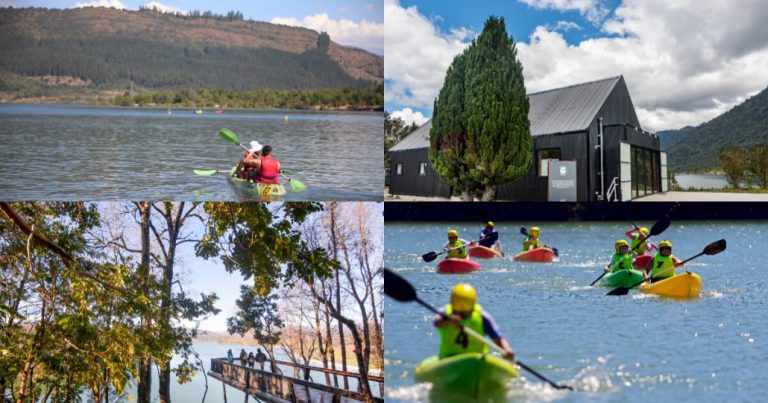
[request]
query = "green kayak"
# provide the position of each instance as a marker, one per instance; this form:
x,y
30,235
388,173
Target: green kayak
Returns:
x,y
259,189
482,377
623,278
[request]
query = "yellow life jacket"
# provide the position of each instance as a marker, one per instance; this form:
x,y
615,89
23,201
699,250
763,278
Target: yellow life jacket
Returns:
x,y
663,267
621,262
453,341
460,252
643,246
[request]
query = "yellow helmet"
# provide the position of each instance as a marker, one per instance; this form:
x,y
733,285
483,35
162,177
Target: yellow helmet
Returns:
x,y
620,243
534,231
489,224
644,231
665,244
463,297
453,232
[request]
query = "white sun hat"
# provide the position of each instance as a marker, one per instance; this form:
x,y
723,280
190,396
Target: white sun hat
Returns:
x,y
255,147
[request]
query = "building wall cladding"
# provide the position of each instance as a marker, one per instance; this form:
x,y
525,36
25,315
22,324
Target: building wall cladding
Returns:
x,y
410,182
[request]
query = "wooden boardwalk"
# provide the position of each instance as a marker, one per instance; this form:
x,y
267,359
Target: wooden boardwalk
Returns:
x,y
276,387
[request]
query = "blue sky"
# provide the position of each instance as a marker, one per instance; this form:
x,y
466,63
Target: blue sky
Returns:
x,y
684,64
366,16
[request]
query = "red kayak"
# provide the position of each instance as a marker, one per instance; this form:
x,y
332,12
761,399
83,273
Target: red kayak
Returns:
x,y
483,252
642,261
457,266
538,255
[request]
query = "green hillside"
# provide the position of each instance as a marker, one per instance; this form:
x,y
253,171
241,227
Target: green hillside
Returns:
x,y
744,125
100,48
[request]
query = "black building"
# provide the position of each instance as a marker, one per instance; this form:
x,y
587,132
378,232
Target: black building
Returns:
x,y
567,123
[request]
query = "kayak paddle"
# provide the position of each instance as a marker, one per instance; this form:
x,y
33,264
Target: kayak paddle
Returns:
x,y
525,232
401,290
712,249
659,227
430,256
296,185
206,172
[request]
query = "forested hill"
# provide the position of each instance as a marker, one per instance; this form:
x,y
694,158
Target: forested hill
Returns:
x,y
698,149
118,49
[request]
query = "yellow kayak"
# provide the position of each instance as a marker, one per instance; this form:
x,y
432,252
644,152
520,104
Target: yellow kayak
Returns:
x,y
685,285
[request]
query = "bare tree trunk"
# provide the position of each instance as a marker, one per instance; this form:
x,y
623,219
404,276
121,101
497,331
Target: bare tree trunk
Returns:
x,y
489,193
466,196
319,335
145,362
333,209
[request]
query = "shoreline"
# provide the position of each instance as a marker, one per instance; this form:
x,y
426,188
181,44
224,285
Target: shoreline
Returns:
x,y
209,109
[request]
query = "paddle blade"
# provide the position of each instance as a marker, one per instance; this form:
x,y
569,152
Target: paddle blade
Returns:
x,y
523,231
428,257
715,247
557,253
296,186
398,287
228,135
660,226
619,291
205,172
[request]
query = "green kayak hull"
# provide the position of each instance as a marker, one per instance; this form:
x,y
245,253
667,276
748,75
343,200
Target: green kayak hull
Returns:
x,y
481,377
623,278
258,189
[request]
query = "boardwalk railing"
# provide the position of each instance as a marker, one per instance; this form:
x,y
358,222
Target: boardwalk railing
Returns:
x,y
275,387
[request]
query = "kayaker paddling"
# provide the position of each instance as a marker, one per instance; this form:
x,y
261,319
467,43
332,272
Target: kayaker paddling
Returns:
x,y
636,235
531,240
464,310
259,165
488,239
622,257
456,247
663,264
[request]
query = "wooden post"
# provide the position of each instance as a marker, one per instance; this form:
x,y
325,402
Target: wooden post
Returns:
x,y
224,388
247,375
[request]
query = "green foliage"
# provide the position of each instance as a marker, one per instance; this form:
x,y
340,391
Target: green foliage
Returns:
x,y
758,163
371,98
258,314
733,160
395,130
480,135
744,126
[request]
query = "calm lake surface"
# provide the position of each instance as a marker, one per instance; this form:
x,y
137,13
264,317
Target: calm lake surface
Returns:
x,y
57,152
194,391
635,348
702,181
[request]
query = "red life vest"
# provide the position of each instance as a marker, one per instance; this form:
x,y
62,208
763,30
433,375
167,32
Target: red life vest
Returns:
x,y
248,156
269,170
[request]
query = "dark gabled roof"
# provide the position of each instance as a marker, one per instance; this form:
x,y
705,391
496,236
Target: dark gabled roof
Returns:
x,y
561,110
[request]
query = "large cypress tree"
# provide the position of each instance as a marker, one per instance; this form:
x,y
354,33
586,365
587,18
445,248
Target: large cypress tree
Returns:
x,y
480,135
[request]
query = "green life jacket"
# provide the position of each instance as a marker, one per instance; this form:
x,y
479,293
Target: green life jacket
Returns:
x,y
535,245
453,341
460,252
636,240
663,267
621,262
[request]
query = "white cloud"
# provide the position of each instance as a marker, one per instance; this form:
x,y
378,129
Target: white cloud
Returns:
x,y
418,55
592,10
409,116
365,34
165,9
102,3
566,26
684,64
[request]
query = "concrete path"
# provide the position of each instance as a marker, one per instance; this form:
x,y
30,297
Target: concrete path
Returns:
x,y
705,196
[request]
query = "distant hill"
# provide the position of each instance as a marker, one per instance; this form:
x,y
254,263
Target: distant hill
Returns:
x,y
670,137
696,149
117,49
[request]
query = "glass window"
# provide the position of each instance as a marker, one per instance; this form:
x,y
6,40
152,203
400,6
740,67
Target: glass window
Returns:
x,y
633,169
544,156
399,169
422,168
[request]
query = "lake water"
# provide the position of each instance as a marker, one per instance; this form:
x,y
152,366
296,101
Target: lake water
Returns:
x,y
193,391
702,181
635,348
55,152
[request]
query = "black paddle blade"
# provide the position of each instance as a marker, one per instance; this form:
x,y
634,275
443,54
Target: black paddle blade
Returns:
x,y
557,253
523,231
715,247
619,291
428,257
398,287
660,226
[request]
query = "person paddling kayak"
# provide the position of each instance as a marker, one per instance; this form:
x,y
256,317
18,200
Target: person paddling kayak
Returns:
x,y
531,241
663,264
249,158
486,238
636,234
465,311
259,165
456,247
622,257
